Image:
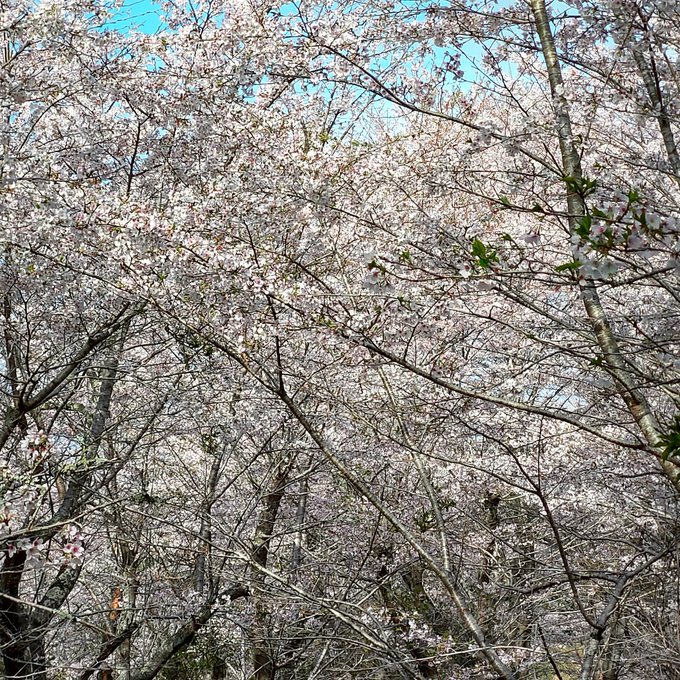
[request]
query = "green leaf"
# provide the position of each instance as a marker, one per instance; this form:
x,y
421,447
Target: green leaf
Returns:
x,y
583,228
485,256
580,185
568,266
640,217
478,248
505,201
572,183
588,186
671,440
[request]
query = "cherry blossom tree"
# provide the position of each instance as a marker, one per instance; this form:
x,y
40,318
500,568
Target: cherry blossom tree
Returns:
x,y
339,341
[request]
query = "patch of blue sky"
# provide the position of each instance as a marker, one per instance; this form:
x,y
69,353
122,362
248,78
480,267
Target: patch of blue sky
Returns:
x,y
142,15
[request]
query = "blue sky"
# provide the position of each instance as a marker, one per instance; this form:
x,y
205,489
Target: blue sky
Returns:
x,y
142,14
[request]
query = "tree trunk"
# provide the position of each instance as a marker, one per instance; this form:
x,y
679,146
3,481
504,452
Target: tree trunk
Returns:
x,y
264,667
629,392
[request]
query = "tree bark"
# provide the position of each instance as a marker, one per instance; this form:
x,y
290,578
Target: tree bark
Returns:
x,y
631,395
264,665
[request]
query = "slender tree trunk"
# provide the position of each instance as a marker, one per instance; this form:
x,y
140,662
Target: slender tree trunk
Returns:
x,y
125,650
650,78
300,524
264,666
486,598
203,577
211,447
630,393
